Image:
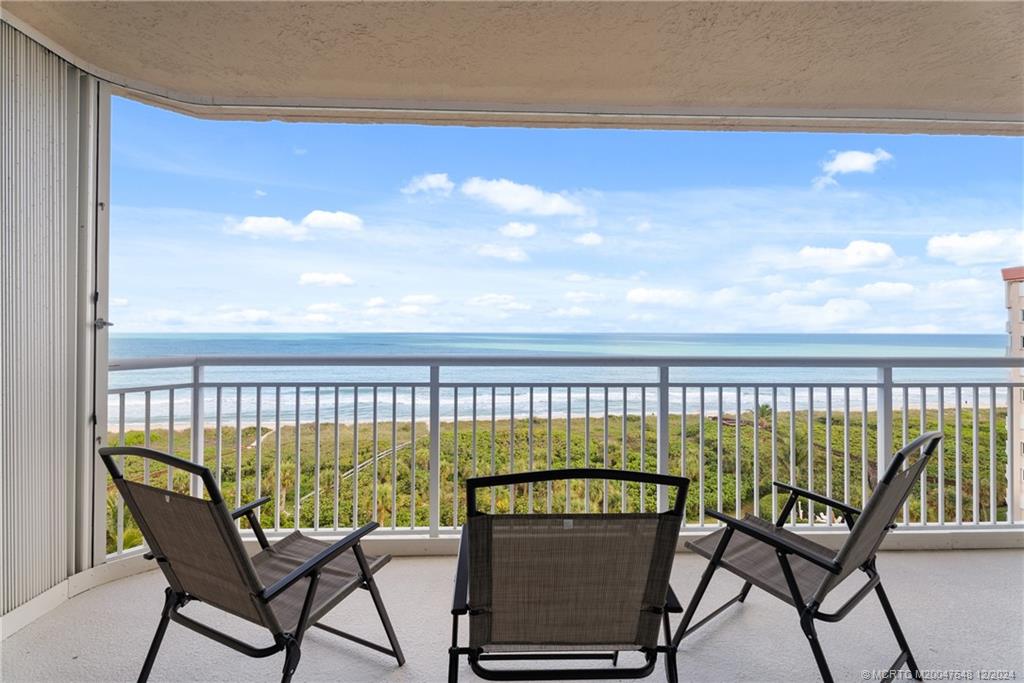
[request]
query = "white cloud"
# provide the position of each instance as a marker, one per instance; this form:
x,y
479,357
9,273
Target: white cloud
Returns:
x,y
299,151
316,318
118,301
325,279
325,308
252,316
516,229
375,302
578,277
259,193
504,302
571,312
276,226
579,296
589,239
434,183
834,313
519,198
333,220
963,292
661,297
511,254
984,246
856,255
421,299
886,290
850,161
268,226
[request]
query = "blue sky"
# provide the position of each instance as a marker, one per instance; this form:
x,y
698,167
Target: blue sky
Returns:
x,y
245,226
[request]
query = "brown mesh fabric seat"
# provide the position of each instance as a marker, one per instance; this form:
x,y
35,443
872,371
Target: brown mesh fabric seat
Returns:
x,y
755,560
802,572
566,586
338,578
286,587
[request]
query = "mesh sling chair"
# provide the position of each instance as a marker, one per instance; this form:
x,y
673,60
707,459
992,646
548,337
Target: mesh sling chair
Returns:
x,y
566,586
802,572
286,587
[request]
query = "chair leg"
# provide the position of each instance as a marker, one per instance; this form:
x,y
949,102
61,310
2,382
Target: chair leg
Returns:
x,y
165,616
691,608
807,624
292,654
453,652
671,670
743,592
371,585
897,631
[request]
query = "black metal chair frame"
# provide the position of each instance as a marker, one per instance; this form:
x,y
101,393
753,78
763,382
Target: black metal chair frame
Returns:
x,y
460,602
288,642
808,608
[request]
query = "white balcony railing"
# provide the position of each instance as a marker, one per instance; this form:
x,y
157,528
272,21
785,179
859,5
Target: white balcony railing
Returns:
x,y
336,441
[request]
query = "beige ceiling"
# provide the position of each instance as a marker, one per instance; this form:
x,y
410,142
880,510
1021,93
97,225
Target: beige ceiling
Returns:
x,y
872,66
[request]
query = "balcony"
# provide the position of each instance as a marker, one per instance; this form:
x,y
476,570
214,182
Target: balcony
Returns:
x,y
960,611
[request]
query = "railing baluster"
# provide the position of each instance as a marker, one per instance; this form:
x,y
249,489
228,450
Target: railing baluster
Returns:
x,y
238,447
376,452
792,446
924,473
355,457
810,452
975,445
846,445
394,459
622,456
146,436
775,455
120,500
718,453
198,418
455,458
643,445
259,442
435,450
941,479
756,472
529,450
992,423
738,503
568,448
494,445
298,456
316,459
828,453
959,455
604,502
1011,454
412,459
511,446
170,436
586,450
700,460
663,434
905,420
278,494
863,445
549,450
337,458
682,446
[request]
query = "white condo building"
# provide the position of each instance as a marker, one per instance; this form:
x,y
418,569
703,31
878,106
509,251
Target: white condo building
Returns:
x,y
1014,279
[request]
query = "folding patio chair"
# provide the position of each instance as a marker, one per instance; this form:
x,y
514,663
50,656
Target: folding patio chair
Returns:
x,y
802,572
566,586
286,587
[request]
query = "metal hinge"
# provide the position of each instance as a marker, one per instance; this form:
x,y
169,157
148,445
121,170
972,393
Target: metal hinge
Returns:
x,y
101,323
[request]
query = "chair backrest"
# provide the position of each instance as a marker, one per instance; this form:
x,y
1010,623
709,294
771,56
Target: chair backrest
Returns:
x,y
886,500
570,581
193,539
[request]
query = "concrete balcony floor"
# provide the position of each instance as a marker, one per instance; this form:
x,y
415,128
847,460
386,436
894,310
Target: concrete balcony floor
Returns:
x,y
963,611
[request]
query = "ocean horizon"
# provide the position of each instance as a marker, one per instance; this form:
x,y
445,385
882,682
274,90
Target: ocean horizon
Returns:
x,y
139,345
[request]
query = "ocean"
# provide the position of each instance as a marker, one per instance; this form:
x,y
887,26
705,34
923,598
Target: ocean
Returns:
x,y
598,345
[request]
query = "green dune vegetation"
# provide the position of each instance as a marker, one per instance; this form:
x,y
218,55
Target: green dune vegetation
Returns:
x,y
394,483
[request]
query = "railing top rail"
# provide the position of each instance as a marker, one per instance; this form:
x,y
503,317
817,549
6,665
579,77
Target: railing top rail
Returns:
x,y
570,361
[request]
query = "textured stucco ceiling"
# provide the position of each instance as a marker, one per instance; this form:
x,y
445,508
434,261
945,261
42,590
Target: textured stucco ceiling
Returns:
x,y
910,66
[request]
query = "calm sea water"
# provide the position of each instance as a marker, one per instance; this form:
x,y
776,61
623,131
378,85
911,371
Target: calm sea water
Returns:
x,y
598,345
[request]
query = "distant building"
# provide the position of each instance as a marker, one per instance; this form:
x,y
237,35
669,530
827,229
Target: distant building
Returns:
x,y
1014,278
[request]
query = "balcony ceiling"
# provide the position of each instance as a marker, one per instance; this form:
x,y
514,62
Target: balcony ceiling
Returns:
x,y
871,66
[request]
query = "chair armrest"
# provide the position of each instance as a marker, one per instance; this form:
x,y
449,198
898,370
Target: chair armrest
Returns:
x,y
460,600
775,539
816,497
246,509
317,562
